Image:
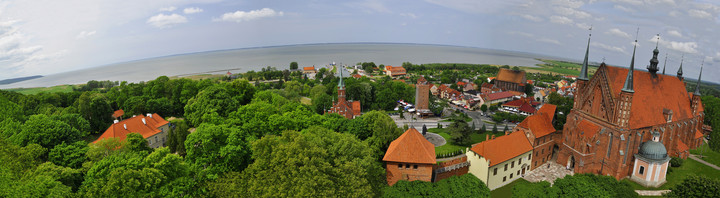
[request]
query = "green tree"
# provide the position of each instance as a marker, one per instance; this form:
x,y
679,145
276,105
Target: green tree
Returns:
x,y
696,186
711,105
293,65
96,109
579,185
218,149
47,132
214,99
459,131
135,105
177,137
529,90
161,106
337,165
494,130
69,155
383,129
136,143
483,108
466,185
483,129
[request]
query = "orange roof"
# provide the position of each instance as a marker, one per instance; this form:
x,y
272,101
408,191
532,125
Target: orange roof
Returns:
x,y
499,95
309,68
356,76
135,125
411,147
548,110
503,148
511,76
516,93
538,124
588,129
399,70
681,146
651,96
698,134
461,83
118,113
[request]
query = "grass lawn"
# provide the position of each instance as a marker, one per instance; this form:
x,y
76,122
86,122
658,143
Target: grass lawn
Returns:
x,y
676,175
558,67
709,155
506,191
450,146
36,90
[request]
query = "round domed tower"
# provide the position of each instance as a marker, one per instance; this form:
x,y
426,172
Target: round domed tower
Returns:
x,y
651,163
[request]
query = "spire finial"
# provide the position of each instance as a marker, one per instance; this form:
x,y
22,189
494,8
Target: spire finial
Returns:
x,y
665,64
697,87
629,80
584,69
680,72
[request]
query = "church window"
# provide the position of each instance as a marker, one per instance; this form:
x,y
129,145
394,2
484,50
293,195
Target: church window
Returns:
x,y
642,170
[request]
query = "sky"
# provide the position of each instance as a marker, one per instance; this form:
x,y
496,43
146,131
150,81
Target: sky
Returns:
x,y
41,37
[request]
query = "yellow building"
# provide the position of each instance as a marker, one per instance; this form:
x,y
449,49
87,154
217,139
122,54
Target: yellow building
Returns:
x,y
501,160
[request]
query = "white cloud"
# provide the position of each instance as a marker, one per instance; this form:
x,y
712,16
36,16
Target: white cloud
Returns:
x,y
618,32
584,26
607,47
624,9
370,6
16,54
165,21
568,3
525,34
548,40
560,20
85,34
631,2
167,9
531,17
410,15
192,10
240,16
686,47
675,33
567,11
699,14
674,13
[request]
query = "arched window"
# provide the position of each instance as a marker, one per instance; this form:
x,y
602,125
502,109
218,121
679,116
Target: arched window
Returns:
x,y
642,170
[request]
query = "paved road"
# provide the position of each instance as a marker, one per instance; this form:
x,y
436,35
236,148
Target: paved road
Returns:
x,y
696,158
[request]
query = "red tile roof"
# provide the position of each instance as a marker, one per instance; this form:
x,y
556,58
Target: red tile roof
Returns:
x,y
527,108
399,70
681,146
487,85
309,68
588,129
135,125
118,113
548,110
356,108
698,134
411,147
499,95
651,96
511,76
356,76
461,83
503,148
538,124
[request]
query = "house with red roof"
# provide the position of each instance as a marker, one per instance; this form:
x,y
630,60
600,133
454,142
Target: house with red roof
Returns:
x,y
502,160
151,126
118,114
511,80
347,109
495,98
309,70
522,106
398,71
541,134
410,157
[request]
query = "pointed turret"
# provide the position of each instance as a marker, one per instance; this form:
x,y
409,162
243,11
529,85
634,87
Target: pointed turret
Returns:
x,y
628,87
665,64
653,68
697,87
583,71
679,72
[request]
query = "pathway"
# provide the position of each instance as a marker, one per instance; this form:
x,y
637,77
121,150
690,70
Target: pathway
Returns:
x,y
549,172
651,192
703,161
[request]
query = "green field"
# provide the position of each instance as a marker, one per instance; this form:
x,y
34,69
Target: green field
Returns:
x,y
36,90
709,155
506,191
558,67
676,175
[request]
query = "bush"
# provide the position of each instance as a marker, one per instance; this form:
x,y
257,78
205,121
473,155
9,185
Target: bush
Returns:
x,y
676,162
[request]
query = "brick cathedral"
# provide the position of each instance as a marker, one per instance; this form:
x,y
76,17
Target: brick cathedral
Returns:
x,y
617,110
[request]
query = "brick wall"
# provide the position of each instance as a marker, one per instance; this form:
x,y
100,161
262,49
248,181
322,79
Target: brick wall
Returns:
x,y
454,172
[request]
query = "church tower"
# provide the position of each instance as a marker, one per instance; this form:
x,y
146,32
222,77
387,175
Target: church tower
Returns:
x,y
623,110
696,95
679,72
341,88
583,78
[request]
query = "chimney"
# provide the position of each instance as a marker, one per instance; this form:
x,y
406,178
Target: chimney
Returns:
x,y
125,126
149,115
115,121
493,137
487,136
144,122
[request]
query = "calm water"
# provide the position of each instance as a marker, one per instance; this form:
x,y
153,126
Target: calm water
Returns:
x,y
242,60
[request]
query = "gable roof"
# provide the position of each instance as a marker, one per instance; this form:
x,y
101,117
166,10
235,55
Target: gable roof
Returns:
x,y
135,125
503,148
499,95
548,110
411,147
118,113
698,134
538,124
681,146
511,76
651,96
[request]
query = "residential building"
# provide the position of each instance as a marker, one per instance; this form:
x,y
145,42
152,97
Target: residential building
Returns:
x,y
409,157
522,106
500,161
391,71
541,134
499,97
152,127
347,109
511,80
309,70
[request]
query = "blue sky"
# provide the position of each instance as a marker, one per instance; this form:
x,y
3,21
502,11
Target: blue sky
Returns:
x,y
49,36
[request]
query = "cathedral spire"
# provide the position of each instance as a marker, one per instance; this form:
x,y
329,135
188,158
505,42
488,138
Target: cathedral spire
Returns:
x,y
697,87
629,80
341,84
664,64
679,73
653,68
583,71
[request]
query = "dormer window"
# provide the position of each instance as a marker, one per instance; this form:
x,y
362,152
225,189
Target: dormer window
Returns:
x,y
668,115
